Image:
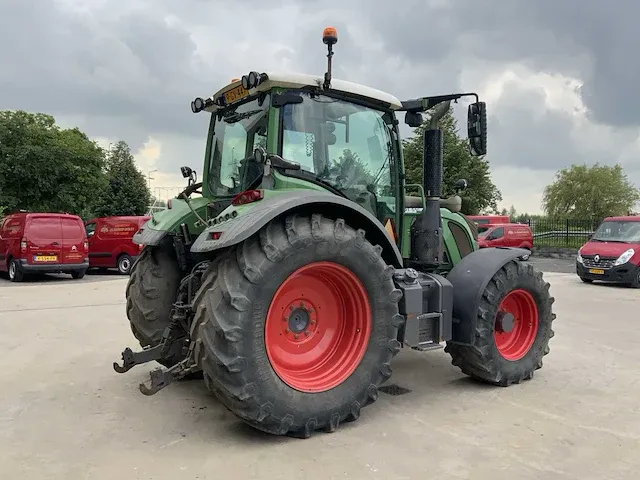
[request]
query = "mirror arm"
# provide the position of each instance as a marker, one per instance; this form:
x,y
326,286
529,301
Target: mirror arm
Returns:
x,y
427,103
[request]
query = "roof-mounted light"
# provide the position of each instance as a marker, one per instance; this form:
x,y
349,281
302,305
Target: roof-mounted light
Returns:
x,y
253,79
329,38
199,104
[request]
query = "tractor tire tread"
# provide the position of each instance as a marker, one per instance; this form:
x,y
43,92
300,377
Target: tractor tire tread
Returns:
x,y
482,360
224,323
151,290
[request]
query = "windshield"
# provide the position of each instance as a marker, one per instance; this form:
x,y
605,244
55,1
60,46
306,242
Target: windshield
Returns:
x,y
618,231
235,134
345,145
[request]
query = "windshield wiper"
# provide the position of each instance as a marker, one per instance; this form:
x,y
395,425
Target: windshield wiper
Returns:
x,y
236,117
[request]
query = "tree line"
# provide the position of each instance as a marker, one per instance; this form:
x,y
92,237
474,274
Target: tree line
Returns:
x,y
45,168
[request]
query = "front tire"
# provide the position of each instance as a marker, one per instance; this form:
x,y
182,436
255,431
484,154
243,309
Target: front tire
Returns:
x,y
151,291
297,325
513,328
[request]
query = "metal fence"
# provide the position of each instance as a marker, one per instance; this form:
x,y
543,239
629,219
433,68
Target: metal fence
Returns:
x,y
555,232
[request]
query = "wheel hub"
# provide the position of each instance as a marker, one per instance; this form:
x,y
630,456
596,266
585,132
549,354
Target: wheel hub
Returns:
x,y
299,320
505,322
318,326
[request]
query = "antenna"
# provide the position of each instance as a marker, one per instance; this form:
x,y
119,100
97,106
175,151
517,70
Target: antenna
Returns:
x,y
329,38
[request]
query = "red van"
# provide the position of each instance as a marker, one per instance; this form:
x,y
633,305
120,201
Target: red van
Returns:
x,y
111,241
43,243
612,253
516,235
489,219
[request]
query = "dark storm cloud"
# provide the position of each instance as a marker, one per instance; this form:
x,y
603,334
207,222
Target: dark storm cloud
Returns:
x,y
595,41
133,69
128,70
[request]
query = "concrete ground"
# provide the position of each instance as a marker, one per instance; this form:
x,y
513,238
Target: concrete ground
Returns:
x,y
65,414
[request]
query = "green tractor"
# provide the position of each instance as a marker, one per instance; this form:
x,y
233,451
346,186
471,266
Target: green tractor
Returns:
x,y
304,267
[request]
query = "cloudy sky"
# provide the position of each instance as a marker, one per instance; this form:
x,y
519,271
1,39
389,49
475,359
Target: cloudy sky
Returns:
x,y
558,77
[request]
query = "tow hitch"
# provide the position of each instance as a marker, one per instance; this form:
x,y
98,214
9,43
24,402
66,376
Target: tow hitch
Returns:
x,y
173,342
161,378
131,358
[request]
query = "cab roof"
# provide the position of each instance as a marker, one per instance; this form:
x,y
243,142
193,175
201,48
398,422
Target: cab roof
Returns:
x,y
300,80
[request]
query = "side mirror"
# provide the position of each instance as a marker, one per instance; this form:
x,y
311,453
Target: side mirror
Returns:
x,y
477,128
186,172
260,155
413,119
461,185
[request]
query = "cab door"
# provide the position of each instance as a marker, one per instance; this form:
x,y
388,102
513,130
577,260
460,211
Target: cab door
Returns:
x,y
73,239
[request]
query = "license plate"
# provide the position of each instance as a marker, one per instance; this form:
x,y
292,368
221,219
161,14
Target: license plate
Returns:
x,y
235,94
596,271
45,258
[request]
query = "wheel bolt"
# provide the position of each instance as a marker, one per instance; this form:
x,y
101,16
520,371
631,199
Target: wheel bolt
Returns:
x,y
307,333
296,336
287,331
312,321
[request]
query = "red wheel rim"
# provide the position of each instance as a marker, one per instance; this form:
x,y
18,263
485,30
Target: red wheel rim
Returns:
x,y
318,327
516,341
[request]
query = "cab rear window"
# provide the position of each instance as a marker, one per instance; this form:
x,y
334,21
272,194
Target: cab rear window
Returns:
x,y
43,228
72,229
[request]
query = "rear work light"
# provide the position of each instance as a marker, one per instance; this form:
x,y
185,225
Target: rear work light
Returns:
x,y
249,196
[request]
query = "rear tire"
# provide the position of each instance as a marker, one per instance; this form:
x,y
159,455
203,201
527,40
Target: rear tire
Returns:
x,y
15,275
151,291
124,264
502,358
78,274
255,367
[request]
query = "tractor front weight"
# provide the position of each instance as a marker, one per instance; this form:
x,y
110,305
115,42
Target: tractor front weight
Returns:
x,y
426,305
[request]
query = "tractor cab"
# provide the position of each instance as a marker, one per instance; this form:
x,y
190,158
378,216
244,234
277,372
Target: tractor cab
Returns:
x,y
328,135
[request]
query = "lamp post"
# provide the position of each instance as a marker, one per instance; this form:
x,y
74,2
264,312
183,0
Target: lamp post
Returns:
x,y
149,177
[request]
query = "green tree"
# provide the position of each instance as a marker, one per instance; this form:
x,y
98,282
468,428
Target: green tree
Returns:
x,y
126,191
582,191
512,212
481,194
350,166
46,168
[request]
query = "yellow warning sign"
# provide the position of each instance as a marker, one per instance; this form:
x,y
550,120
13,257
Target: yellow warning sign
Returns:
x,y
389,226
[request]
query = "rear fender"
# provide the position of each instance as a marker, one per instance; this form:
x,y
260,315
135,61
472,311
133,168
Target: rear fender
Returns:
x,y
304,202
469,278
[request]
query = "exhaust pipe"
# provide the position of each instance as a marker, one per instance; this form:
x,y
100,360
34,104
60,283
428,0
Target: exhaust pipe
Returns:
x,y
426,231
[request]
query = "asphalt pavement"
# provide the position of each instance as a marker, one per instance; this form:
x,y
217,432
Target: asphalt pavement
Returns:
x,y
65,414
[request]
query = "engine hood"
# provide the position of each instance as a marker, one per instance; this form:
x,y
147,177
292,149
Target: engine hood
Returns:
x,y
607,249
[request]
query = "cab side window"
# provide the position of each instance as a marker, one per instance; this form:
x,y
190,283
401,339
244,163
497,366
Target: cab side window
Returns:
x,y
497,233
90,228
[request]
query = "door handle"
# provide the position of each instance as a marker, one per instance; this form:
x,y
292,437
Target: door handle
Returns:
x,y
55,243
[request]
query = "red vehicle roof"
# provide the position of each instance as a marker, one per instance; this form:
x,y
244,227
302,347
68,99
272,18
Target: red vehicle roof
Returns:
x,y
624,218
